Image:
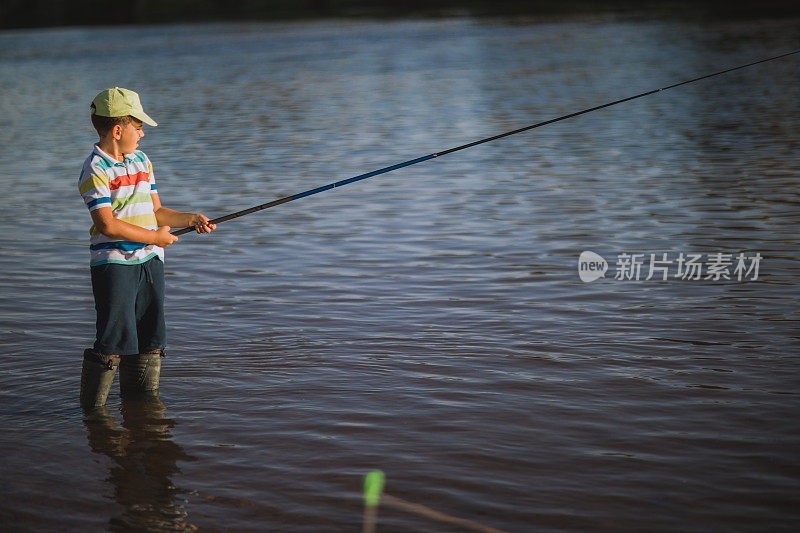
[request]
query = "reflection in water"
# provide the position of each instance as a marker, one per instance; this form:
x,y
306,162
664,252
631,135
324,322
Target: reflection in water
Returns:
x,y
144,459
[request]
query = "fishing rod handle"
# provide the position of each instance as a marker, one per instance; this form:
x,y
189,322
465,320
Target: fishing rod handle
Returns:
x,y
190,229
182,231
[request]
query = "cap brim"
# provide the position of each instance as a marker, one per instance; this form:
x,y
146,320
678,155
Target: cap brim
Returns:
x,y
144,117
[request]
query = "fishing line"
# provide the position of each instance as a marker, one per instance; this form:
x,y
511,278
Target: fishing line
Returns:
x,y
468,145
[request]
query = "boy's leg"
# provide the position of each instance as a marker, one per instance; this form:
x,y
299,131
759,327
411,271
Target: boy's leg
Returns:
x,y
151,327
141,372
97,374
114,296
115,288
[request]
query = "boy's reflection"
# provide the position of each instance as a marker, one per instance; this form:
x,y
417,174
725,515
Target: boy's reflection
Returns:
x,y
144,460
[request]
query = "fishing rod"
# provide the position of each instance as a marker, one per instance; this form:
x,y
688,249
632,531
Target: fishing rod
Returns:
x,y
465,146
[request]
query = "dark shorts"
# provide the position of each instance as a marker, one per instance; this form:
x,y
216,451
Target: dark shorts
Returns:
x,y
129,300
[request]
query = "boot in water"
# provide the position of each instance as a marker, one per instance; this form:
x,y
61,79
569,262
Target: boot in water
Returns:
x,y
96,377
139,373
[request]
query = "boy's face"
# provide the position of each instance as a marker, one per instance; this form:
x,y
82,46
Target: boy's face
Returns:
x,y
128,136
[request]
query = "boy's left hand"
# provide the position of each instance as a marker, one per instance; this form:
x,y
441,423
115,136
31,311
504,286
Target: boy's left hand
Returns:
x,y
202,223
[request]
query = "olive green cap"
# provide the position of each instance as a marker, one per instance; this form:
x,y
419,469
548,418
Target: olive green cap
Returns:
x,y
119,102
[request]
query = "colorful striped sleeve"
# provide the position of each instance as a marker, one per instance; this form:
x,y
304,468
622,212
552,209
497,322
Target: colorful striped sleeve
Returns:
x,y
94,187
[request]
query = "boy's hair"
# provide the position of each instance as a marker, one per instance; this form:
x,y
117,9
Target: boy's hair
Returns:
x,y
103,125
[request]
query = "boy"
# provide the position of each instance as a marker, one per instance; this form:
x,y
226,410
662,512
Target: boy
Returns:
x,y
130,231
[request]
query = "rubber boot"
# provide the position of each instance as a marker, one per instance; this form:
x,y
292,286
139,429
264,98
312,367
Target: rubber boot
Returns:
x,y
96,377
139,373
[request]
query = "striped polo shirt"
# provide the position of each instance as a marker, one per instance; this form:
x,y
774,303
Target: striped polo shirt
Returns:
x,y
125,187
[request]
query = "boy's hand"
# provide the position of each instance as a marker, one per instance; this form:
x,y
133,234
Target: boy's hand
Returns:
x,y
201,223
164,237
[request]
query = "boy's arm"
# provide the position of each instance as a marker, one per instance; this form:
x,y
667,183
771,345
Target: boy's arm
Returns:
x,y
170,217
106,224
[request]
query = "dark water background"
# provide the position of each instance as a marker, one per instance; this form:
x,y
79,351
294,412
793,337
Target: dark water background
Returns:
x,y
430,322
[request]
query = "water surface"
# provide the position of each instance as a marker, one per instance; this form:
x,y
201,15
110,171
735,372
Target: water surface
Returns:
x,y
429,322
